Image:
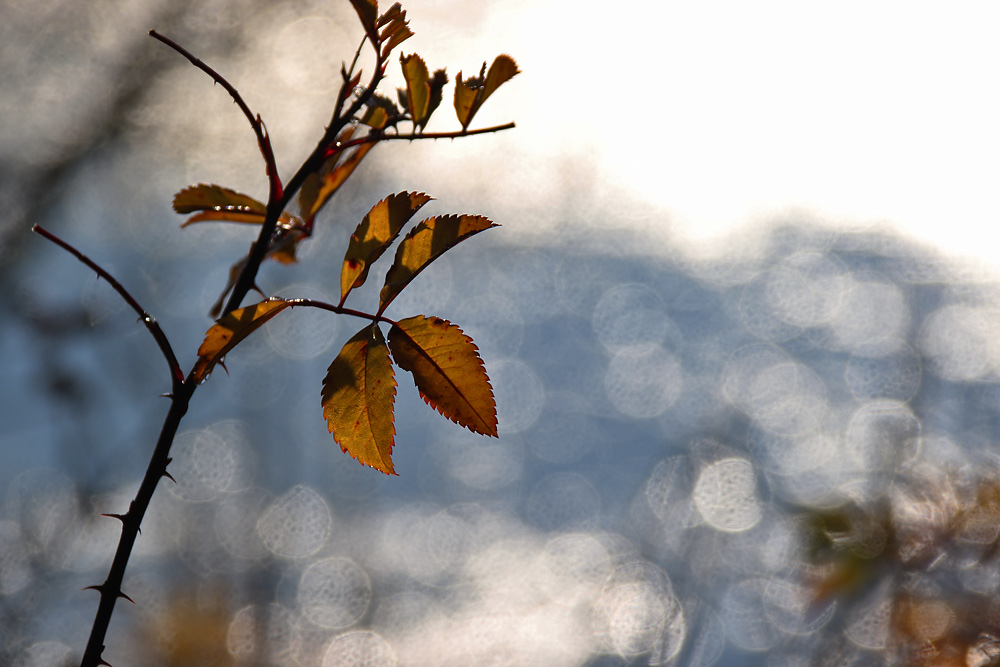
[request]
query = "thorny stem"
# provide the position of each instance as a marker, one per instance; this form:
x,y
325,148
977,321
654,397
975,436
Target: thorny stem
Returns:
x,y
263,141
183,388
176,374
340,310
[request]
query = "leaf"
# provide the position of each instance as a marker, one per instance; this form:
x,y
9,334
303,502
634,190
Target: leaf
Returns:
x,y
467,96
447,370
502,70
418,88
395,29
222,204
375,234
358,394
203,197
329,179
230,330
368,13
423,245
471,93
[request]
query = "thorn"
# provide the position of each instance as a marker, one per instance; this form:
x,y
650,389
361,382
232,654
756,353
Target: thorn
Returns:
x,y
169,395
169,476
120,517
122,595
102,661
99,589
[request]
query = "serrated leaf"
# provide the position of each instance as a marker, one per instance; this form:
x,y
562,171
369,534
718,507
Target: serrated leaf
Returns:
x,y
375,234
217,203
230,330
368,13
358,394
418,88
502,70
395,29
471,93
428,241
447,371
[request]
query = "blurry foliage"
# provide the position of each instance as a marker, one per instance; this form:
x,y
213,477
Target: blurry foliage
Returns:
x,y
908,552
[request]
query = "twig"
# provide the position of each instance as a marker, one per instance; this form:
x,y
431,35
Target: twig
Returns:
x,y
176,374
263,141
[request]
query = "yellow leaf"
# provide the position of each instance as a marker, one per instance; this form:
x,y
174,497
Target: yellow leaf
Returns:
x,y
447,370
472,92
222,204
232,328
418,88
331,177
358,394
502,70
428,241
375,234
203,197
467,97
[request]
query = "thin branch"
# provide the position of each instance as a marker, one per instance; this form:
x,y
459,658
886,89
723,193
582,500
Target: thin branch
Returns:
x,y
263,141
375,136
340,310
177,375
245,281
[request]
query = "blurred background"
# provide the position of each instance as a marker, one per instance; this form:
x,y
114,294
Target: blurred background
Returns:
x,y
740,318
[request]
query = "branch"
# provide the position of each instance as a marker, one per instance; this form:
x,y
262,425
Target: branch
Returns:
x,y
375,136
177,375
245,281
263,141
340,310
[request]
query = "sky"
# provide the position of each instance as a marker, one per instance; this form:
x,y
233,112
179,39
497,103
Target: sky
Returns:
x,y
724,114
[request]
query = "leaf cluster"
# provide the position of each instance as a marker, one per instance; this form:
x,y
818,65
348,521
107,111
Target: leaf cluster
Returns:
x,y
359,388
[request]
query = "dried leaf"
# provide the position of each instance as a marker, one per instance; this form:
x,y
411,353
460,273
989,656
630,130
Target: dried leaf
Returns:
x,y
447,370
375,234
423,245
230,330
358,395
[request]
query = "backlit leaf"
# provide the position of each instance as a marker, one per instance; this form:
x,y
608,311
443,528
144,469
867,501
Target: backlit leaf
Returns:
x,y
395,29
375,234
502,70
418,88
467,96
232,328
217,203
447,370
472,92
358,394
423,245
318,188
368,13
